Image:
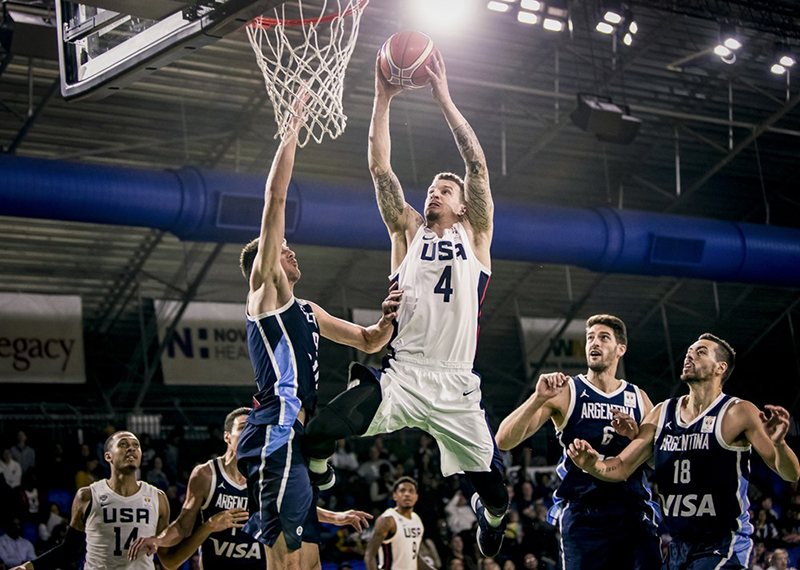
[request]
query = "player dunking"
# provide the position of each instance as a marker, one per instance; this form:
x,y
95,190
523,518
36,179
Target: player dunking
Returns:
x,y
109,515
217,492
283,338
397,538
603,525
442,264
701,444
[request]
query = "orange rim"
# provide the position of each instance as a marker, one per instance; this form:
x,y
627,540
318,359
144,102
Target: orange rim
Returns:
x,y
263,22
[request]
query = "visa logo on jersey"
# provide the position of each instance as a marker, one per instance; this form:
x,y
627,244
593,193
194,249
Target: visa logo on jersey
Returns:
x,y
236,550
125,515
442,251
688,505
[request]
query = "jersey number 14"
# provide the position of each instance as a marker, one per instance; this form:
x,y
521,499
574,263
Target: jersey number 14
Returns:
x,y
118,546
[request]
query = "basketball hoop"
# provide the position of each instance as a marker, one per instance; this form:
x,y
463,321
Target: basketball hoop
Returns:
x,y
305,70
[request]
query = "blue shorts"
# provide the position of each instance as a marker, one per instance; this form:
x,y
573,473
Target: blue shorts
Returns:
x,y
728,553
280,496
608,537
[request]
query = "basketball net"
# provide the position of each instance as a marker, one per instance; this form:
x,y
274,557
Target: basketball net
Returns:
x,y
303,61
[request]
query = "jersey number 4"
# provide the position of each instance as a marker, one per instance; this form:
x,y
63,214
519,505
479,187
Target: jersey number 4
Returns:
x,y
118,546
445,284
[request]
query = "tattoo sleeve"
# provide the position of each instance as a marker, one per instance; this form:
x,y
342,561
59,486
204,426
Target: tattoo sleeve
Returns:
x,y
477,182
389,193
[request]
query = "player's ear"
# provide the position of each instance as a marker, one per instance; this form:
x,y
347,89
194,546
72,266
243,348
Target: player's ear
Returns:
x,y
107,457
621,350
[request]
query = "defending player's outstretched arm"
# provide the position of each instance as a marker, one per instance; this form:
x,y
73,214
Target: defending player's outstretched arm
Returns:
x,y
267,265
549,400
366,339
401,220
172,558
618,468
480,207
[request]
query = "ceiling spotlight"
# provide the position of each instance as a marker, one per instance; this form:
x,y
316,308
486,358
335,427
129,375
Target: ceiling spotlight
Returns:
x,y
783,56
532,5
777,69
553,25
497,6
604,28
633,27
627,39
612,11
722,51
527,17
729,37
786,61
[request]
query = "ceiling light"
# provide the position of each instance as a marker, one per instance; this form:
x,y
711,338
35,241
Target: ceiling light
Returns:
x,y
633,27
553,25
786,60
612,17
777,69
604,28
729,37
722,51
527,17
733,43
533,5
497,6
627,39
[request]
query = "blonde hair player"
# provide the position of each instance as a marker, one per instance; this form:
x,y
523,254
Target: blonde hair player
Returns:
x,y
108,515
442,263
701,447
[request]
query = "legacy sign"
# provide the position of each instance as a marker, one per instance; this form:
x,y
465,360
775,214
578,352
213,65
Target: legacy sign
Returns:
x,y
41,339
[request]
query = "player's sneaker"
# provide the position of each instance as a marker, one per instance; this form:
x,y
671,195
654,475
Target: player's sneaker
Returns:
x,y
323,481
490,538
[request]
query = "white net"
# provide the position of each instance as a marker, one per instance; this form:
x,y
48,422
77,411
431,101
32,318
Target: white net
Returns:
x,y
303,57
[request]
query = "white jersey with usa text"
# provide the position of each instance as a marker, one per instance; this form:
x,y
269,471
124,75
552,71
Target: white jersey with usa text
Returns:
x,y
400,551
443,286
115,522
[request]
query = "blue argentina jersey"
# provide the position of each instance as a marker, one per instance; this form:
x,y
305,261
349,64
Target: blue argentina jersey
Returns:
x,y
228,549
589,417
283,349
702,480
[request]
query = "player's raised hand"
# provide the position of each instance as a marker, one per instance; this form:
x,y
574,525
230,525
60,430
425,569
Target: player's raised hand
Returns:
x,y
624,424
383,88
550,385
391,304
232,518
359,520
143,545
438,74
776,424
582,454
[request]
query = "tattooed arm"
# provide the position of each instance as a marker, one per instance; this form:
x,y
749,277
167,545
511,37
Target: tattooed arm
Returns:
x,y
621,467
401,220
480,208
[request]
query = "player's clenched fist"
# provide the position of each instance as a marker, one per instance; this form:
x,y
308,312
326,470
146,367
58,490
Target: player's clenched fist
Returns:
x,y
550,385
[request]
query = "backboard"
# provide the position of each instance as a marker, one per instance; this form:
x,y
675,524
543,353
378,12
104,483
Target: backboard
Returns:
x,y
105,45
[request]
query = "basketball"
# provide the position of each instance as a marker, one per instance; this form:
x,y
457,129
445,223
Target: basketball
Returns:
x,y
404,57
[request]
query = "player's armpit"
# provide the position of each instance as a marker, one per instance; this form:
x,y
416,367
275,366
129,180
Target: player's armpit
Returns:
x,y
766,433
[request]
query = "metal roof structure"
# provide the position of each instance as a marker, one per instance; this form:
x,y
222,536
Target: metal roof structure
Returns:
x,y
731,131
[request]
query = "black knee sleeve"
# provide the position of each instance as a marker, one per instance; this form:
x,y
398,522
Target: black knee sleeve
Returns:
x,y
348,414
491,488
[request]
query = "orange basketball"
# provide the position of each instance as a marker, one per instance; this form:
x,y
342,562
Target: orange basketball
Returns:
x,y
404,57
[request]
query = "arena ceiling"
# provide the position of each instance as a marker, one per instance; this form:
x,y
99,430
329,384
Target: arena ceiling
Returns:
x,y
517,85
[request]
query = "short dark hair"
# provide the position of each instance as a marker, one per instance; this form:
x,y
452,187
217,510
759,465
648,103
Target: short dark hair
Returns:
x,y
612,322
724,353
230,418
452,177
110,440
404,479
247,257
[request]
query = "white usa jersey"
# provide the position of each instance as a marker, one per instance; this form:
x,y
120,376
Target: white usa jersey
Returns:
x,y
443,286
400,552
114,522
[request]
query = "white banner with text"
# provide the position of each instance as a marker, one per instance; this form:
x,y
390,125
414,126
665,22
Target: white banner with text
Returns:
x,y
208,347
41,339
